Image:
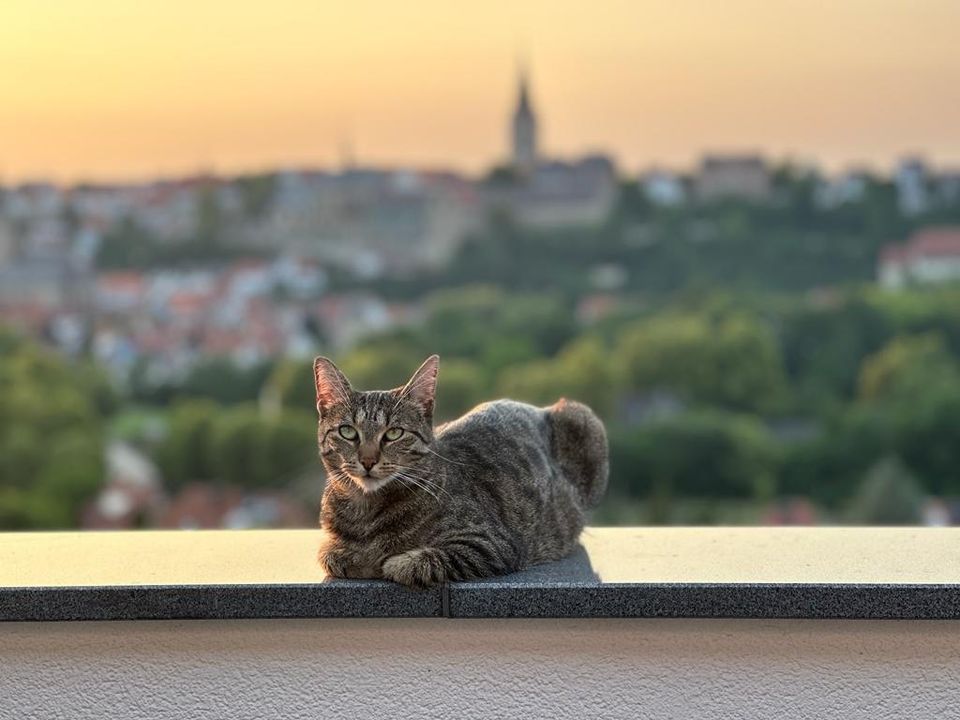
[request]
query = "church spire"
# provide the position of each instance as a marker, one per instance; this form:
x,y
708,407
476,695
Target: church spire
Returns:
x,y
523,101
524,126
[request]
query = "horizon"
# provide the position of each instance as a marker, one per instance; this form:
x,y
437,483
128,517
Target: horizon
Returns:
x,y
110,93
880,170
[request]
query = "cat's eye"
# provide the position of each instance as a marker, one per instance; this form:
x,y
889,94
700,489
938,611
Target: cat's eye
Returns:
x,y
348,432
393,434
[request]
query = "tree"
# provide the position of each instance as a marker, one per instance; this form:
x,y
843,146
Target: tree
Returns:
x,y
824,347
257,193
186,453
905,366
290,447
481,322
581,371
928,437
51,436
734,363
460,386
127,245
379,367
702,455
289,385
829,467
70,477
239,448
224,381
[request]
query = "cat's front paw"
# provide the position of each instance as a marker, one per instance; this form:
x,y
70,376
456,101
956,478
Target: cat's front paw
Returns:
x,y
333,562
418,568
343,564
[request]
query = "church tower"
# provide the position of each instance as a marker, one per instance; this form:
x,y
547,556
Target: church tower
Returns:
x,y
524,129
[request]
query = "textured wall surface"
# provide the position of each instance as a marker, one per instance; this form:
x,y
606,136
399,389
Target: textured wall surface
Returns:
x,y
467,669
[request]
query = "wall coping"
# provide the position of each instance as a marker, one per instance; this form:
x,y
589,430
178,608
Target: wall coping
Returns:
x,y
614,572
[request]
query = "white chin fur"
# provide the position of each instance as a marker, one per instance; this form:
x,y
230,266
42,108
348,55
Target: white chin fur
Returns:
x,y
371,485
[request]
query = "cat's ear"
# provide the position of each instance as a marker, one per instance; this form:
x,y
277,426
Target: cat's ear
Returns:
x,y
422,387
332,386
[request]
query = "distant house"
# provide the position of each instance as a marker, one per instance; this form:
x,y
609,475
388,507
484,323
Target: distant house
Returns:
x,y
557,194
849,187
545,193
912,179
736,177
47,284
664,188
120,292
929,256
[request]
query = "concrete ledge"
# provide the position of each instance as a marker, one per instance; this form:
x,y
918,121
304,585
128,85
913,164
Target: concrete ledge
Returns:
x,y
868,573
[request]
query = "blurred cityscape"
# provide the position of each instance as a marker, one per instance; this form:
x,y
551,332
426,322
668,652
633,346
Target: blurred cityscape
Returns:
x,y
767,342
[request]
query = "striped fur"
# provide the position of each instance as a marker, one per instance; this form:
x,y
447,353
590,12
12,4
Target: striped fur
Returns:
x,y
505,486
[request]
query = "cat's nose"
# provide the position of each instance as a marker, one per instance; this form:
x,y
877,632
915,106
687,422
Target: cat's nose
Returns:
x,y
368,463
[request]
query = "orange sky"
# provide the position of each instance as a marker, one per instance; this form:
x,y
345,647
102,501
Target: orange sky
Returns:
x,y
132,88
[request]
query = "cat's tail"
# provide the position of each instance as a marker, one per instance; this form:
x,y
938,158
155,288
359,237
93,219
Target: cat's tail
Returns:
x,y
579,445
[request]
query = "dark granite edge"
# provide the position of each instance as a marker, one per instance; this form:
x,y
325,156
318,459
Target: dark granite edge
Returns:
x,y
338,599
706,600
489,599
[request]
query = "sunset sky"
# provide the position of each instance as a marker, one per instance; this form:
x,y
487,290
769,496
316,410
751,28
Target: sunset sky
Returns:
x,y
110,89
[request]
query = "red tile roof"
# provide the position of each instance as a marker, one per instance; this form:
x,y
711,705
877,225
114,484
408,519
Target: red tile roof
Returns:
x,y
930,242
936,241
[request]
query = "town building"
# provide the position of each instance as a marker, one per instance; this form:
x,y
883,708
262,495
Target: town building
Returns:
x,y
847,188
733,177
545,193
930,256
523,130
663,188
911,178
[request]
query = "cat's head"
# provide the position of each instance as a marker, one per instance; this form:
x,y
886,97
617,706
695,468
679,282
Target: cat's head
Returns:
x,y
371,438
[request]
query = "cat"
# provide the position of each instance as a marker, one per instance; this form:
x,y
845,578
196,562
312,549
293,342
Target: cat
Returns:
x,y
504,487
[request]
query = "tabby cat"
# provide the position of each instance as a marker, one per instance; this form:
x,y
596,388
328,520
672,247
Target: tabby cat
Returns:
x,y
503,487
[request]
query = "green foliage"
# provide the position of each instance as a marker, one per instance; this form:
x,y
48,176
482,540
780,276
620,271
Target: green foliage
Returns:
x,y
257,193
733,363
224,381
928,438
870,374
461,323
51,438
290,385
462,388
381,366
906,366
186,453
824,346
217,378
702,455
581,371
239,448
73,472
290,447
127,245
829,466
236,445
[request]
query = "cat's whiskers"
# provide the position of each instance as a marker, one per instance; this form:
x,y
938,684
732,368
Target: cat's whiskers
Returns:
x,y
410,473
428,481
455,462
338,474
407,478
